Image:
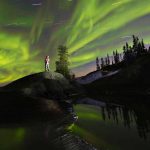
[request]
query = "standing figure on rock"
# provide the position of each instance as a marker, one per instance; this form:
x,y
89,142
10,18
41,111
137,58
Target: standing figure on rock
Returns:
x,y
47,63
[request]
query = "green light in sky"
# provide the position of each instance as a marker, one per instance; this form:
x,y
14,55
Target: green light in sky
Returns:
x,y
88,29
15,57
92,20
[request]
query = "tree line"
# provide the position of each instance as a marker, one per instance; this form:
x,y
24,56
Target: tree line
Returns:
x,y
129,54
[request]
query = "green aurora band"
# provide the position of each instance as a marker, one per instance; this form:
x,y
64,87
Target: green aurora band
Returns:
x,y
89,29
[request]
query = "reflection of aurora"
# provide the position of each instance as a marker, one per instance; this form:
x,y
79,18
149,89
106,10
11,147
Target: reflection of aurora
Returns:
x,y
28,33
12,136
104,126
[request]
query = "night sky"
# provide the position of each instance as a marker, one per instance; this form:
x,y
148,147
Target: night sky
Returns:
x,y
31,29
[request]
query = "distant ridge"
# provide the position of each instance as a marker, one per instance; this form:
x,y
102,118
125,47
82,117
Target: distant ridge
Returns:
x,y
132,79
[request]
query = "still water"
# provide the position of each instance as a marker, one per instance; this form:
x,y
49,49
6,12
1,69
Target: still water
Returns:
x,y
111,126
105,125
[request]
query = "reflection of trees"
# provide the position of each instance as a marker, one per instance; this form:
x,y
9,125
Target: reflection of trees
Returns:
x,y
129,115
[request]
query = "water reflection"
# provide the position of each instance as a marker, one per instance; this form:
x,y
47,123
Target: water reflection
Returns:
x,y
114,123
41,136
128,116
128,113
109,124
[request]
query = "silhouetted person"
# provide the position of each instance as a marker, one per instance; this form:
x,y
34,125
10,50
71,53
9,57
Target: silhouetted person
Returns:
x,y
47,63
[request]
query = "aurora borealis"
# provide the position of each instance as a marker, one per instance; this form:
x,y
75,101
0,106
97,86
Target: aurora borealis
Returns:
x,y
31,29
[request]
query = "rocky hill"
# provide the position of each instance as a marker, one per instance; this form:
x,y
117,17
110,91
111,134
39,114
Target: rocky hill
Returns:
x,y
133,79
40,96
45,84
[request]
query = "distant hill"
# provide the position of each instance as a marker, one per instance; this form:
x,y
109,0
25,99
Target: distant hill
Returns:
x,y
132,79
90,77
95,75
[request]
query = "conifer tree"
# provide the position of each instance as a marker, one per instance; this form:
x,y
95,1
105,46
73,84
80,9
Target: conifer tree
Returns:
x,y
63,62
127,47
102,63
105,61
116,57
97,64
149,49
139,50
135,43
143,46
108,60
124,50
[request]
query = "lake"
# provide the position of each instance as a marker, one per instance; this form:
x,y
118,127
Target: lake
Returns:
x,y
114,126
105,124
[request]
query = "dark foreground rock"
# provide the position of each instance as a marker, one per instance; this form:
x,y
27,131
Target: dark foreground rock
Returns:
x,y
15,107
45,84
40,96
69,141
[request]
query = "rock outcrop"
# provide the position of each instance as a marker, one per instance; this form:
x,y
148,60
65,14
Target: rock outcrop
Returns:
x,y
49,85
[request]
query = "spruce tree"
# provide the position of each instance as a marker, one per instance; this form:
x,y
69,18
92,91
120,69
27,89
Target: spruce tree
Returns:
x,y
149,49
135,43
108,60
143,46
63,62
116,57
139,51
102,63
97,64
124,49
